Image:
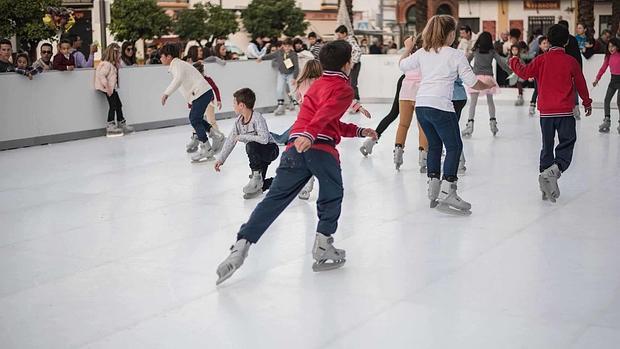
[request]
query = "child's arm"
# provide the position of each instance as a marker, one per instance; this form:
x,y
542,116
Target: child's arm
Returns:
x,y
582,87
409,62
602,70
524,71
262,131
331,110
502,62
268,56
176,82
214,59
228,147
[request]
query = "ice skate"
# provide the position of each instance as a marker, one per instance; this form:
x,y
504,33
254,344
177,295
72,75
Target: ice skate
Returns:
x,y
548,181
493,125
192,146
450,202
280,110
112,130
577,112
204,153
218,139
519,101
532,110
292,106
398,157
462,167
434,184
238,254
366,148
254,186
304,194
351,110
422,161
605,126
125,128
469,129
326,256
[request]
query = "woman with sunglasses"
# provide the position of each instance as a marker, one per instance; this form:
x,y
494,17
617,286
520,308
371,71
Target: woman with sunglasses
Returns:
x,y
128,54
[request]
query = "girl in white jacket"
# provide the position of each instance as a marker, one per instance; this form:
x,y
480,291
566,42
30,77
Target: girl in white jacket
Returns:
x,y
106,81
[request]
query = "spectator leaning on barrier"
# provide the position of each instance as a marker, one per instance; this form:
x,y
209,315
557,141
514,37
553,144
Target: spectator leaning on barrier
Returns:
x,y
128,54
23,66
375,48
6,51
258,47
64,60
601,43
45,62
152,54
78,56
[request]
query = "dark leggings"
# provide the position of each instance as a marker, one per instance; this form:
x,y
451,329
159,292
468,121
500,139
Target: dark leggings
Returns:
x,y
535,94
116,107
458,107
393,114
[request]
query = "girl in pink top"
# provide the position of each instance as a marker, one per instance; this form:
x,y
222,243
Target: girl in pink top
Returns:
x,y
612,60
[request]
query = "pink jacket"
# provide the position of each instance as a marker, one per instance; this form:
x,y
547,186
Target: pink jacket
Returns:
x,y
611,61
106,77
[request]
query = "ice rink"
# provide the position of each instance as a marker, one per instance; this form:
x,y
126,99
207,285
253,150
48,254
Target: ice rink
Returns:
x,y
114,243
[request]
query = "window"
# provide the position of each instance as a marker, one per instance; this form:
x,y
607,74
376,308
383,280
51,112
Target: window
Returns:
x,y
444,10
604,22
411,21
473,23
539,22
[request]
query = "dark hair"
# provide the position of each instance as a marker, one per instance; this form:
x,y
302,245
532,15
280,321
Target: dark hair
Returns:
x,y
342,30
542,38
605,31
64,41
515,33
558,35
335,55
24,55
615,42
514,46
297,41
129,60
47,44
537,31
484,44
199,67
73,38
287,41
563,23
6,42
466,28
312,35
192,53
170,50
245,96
216,51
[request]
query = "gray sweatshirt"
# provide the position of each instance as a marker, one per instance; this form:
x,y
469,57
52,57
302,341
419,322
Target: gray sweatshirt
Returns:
x,y
254,131
483,62
278,62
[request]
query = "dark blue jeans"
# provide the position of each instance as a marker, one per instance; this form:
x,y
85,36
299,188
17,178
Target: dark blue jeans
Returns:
x,y
283,138
441,129
293,173
567,135
196,115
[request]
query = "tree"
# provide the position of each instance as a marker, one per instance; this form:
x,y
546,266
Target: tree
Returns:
x,y
24,19
586,14
349,5
421,15
615,17
221,22
191,24
138,19
274,18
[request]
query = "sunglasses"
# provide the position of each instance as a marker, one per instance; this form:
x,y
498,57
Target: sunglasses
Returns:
x,y
46,52
129,49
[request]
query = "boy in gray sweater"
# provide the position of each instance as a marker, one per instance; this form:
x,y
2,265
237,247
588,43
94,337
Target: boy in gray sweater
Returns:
x,y
287,63
251,129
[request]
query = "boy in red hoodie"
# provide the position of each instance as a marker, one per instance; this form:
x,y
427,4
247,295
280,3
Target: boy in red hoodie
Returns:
x,y
311,151
555,72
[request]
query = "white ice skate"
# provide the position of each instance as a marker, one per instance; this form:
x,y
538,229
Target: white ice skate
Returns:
x,y
218,139
577,112
366,148
519,100
450,202
351,110
469,129
280,110
548,182
326,256
532,110
422,160
204,153
254,187
462,167
125,128
398,157
605,126
304,194
193,144
493,126
434,185
111,130
238,254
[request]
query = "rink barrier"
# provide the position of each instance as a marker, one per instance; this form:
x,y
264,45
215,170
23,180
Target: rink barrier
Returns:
x,y
63,106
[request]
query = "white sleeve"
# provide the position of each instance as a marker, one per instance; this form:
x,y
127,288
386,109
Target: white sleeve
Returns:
x,y
176,80
464,70
229,145
410,63
260,125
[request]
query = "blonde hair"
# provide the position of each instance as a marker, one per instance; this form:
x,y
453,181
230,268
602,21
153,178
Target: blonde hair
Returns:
x,y
436,32
112,54
312,70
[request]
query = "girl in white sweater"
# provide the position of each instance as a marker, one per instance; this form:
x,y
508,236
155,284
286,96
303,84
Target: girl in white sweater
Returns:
x,y
440,65
196,92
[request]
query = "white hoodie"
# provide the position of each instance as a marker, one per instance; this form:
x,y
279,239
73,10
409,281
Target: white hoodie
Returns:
x,y
184,75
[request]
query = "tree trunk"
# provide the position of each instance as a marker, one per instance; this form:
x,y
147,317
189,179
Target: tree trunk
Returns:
x,y
349,4
421,15
615,18
586,15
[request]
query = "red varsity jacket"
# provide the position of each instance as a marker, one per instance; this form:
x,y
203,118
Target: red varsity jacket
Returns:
x,y
555,72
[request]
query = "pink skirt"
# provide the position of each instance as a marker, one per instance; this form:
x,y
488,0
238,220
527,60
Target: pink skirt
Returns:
x,y
487,79
409,90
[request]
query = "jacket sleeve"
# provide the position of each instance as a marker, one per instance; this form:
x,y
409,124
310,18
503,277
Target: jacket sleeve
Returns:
x,y
260,125
176,80
580,85
216,90
464,70
409,63
603,68
350,130
524,71
330,111
229,145
269,56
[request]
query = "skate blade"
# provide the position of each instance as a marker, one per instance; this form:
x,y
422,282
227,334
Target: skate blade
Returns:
x,y
453,211
434,203
324,266
114,136
193,150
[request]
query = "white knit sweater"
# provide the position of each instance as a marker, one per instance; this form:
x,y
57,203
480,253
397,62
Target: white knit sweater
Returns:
x,y
188,79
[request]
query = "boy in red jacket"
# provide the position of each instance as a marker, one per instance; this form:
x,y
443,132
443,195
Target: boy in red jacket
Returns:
x,y
311,151
555,72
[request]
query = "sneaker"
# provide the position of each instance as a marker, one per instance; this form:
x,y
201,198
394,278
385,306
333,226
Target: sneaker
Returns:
x,y
112,130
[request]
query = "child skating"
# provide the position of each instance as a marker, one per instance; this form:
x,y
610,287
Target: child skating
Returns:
x,y
311,152
285,60
251,129
441,66
196,92
556,73
543,46
612,60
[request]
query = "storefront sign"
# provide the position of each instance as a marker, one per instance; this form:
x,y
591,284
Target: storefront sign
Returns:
x,y
541,5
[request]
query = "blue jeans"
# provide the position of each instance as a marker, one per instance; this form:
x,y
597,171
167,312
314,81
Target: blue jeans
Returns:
x,y
283,138
196,115
293,173
281,82
441,128
567,135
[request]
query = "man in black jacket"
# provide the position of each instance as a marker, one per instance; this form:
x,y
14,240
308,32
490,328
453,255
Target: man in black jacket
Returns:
x,y
572,48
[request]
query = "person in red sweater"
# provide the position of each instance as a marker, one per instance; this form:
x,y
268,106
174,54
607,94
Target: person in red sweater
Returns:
x,y
64,59
555,72
311,151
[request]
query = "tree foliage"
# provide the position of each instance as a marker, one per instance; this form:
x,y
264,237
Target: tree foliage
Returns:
x,y
138,19
203,21
274,18
586,14
221,22
24,19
